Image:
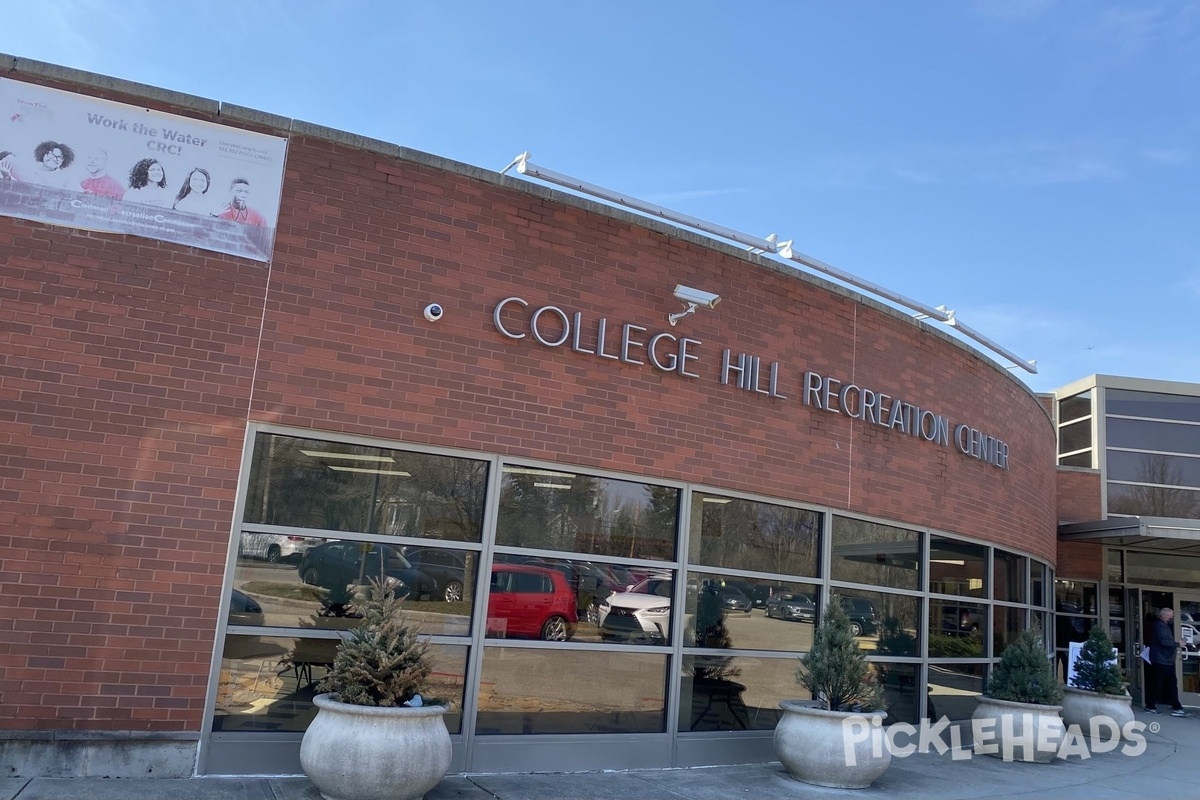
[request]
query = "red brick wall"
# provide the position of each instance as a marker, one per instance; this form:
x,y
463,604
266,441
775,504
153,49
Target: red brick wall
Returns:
x,y
1078,491
126,371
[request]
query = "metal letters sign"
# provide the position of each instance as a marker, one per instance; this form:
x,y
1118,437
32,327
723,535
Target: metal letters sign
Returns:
x,y
550,326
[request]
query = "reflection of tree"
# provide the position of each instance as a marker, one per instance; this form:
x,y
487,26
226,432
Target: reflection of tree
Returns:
x,y
866,552
894,640
756,536
1161,500
578,513
712,632
365,489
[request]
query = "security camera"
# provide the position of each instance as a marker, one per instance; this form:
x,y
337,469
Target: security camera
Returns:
x,y
696,297
434,312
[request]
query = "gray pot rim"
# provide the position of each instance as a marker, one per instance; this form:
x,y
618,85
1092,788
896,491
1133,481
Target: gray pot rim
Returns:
x,y
1089,693
1023,706
329,701
802,707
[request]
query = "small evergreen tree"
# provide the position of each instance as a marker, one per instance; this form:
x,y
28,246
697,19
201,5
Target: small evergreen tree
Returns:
x,y
382,662
1025,674
835,671
1096,668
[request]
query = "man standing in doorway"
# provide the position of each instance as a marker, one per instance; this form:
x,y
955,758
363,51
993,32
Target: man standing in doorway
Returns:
x,y
1161,682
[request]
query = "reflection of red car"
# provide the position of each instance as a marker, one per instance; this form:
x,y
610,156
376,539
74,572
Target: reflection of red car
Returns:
x,y
530,601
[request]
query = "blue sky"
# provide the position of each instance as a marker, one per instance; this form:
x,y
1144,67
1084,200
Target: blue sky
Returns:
x,y
1032,164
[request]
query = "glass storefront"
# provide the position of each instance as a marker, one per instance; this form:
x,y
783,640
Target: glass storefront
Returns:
x,y
568,605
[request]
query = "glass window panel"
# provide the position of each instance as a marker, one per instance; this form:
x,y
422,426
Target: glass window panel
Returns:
x,y
1007,624
728,693
1167,437
744,534
1075,597
551,509
957,567
1116,570
1009,570
528,593
1152,404
1153,468
1075,436
899,682
956,629
1037,584
307,483
268,683
1074,407
319,590
571,691
1165,569
1153,501
880,555
723,612
883,624
1078,460
1042,620
1116,603
954,690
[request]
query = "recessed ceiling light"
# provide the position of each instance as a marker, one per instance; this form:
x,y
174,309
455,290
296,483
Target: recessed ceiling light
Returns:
x,y
348,456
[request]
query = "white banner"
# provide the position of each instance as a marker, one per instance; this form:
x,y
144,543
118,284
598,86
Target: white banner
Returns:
x,y
68,159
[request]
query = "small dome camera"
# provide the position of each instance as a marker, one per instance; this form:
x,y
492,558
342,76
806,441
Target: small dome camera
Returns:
x,y
434,312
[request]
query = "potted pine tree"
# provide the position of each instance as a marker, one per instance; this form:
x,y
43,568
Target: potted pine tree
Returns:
x,y
374,736
1097,689
837,740
1021,704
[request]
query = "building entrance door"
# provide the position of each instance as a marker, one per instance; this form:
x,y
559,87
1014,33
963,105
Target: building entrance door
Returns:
x,y
1187,617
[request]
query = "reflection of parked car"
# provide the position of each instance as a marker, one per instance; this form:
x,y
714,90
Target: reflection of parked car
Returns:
x,y
643,614
763,593
733,599
336,566
792,606
275,547
863,619
527,600
448,568
961,619
244,609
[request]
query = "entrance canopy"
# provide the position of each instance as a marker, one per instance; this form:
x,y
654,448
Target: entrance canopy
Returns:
x,y
1167,534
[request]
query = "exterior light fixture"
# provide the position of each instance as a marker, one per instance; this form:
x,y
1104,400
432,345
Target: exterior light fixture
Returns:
x,y
693,298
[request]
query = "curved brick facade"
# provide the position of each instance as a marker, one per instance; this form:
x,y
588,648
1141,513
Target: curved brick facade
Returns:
x,y
131,369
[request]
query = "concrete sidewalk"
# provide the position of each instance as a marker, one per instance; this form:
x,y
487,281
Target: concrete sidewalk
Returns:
x,y
1169,768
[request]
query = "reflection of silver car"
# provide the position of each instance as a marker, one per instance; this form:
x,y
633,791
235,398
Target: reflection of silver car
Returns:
x,y
643,614
798,607
275,547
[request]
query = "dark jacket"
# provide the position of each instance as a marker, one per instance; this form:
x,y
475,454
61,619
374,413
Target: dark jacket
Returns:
x,y
1162,644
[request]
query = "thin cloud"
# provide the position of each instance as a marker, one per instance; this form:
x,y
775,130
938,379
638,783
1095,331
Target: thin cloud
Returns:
x,y
1168,155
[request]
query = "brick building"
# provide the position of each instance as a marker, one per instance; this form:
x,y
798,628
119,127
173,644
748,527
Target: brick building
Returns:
x,y
201,451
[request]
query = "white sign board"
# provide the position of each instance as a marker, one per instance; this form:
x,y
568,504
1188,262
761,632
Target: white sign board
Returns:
x,y
78,161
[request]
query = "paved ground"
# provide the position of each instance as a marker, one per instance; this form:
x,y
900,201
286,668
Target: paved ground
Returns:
x,y
1168,768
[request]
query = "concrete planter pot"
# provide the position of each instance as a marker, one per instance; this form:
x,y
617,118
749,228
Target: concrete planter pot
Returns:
x,y
364,753
1011,726
824,748
1080,707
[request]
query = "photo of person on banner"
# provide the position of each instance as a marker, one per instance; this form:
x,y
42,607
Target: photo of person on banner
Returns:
x,y
148,183
238,208
191,197
98,181
52,159
8,166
